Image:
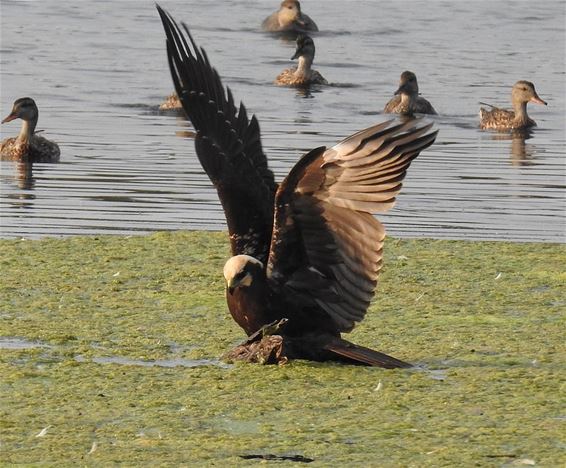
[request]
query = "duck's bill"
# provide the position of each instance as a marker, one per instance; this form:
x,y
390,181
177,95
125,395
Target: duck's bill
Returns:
x,y
10,118
538,100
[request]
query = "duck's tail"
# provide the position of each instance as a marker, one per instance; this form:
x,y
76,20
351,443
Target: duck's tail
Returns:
x,y
486,104
362,355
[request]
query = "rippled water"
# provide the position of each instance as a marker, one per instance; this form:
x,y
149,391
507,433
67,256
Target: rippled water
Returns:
x,y
98,72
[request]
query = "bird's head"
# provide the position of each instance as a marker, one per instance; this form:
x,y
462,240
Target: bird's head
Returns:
x,y
240,272
408,84
23,108
305,47
289,12
524,91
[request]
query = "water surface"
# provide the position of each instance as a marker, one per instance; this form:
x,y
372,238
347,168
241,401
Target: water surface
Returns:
x,y
98,71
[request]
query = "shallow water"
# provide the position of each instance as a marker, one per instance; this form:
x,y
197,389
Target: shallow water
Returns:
x,y
98,71
7,342
175,362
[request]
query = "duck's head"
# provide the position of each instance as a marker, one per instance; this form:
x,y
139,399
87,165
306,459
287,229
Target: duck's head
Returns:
x,y
305,47
524,91
289,12
408,84
23,108
240,272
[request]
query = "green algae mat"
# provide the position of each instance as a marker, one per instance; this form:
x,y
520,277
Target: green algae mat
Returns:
x,y
110,353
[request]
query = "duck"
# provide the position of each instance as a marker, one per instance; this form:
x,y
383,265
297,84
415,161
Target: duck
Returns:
x,y
503,119
407,100
289,18
172,102
27,145
302,75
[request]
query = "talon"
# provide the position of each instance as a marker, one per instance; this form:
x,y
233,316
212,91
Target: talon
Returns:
x,y
273,327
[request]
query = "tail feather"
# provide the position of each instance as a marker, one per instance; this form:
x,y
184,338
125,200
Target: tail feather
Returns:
x,y
364,355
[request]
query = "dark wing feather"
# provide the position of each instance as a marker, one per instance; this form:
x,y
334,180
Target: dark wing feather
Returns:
x,y
364,355
227,143
326,242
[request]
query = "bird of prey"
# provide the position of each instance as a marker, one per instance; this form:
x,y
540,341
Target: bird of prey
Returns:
x,y
307,251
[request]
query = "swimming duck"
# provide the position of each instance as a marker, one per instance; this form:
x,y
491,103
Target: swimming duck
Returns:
x,y
407,100
302,75
27,145
171,102
289,18
502,119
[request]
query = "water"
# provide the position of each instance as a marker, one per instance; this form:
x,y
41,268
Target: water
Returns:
x,y
174,362
98,72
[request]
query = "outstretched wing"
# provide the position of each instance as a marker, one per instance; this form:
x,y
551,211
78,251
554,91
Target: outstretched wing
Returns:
x,y
326,245
227,143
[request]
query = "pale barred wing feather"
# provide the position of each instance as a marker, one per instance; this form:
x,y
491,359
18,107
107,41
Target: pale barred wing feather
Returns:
x,y
370,175
324,211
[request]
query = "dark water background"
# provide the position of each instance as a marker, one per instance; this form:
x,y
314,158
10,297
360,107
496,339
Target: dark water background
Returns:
x,y
98,72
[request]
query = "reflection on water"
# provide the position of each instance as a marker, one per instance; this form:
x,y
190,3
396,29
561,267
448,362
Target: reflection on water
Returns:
x,y
24,177
9,342
520,153
127,167
306,93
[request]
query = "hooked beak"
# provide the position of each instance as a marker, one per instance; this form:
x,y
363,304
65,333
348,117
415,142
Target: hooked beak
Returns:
x,y
11,117
231,286
538,100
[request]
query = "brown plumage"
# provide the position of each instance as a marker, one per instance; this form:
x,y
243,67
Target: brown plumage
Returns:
x,y
302,75
289,18
172,102
307,252
27,146
407,100
502,119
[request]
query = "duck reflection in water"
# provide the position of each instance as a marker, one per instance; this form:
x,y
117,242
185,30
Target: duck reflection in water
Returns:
x,y
186,130
21,175
24,175
520,153
306,92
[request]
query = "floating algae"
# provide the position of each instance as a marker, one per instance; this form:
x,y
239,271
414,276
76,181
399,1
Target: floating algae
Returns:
x,y
487,393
